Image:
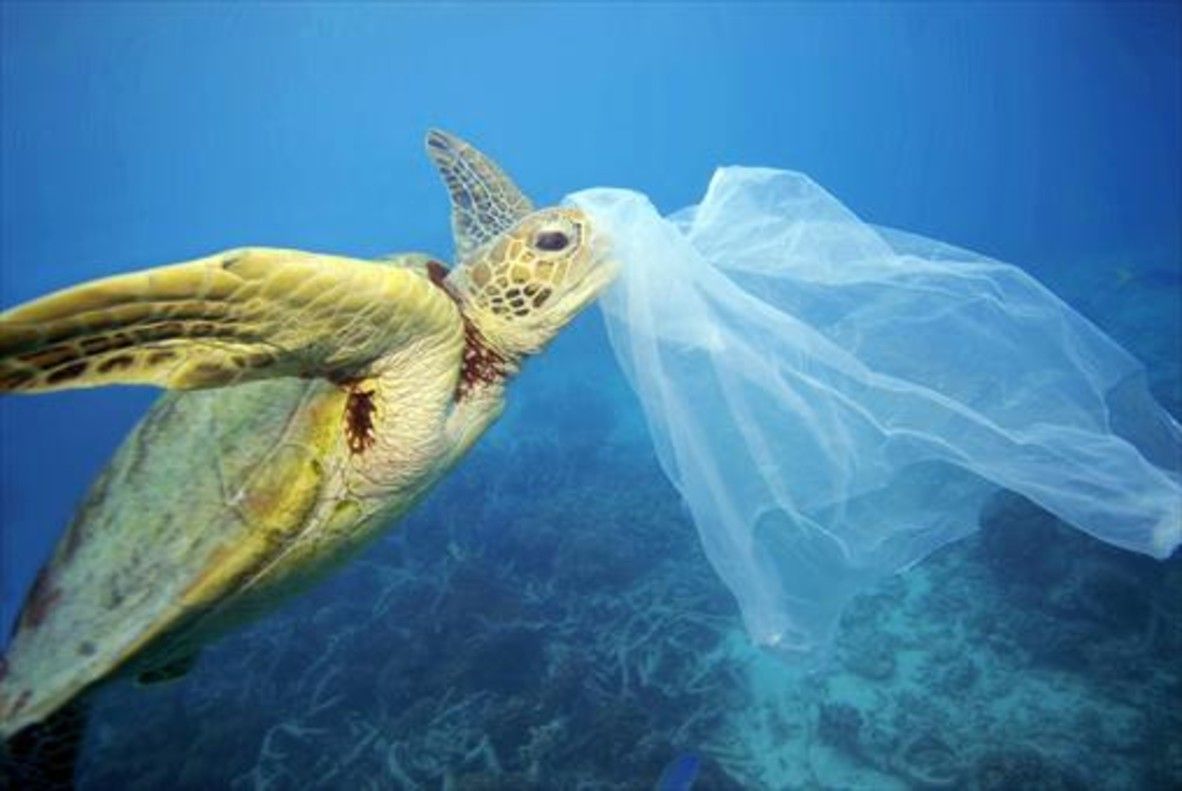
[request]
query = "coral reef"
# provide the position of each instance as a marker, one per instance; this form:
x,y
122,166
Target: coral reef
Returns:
x,y
547,620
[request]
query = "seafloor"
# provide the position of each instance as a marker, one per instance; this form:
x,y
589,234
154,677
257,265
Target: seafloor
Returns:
x,y
548,620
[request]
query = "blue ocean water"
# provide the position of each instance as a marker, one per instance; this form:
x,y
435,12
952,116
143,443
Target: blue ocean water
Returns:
x,y
546,619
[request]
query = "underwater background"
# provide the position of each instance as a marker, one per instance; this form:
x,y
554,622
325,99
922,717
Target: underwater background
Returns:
x,y
547,619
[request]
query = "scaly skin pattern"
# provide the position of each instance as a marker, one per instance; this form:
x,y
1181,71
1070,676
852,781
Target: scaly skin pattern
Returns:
x,y
216,506
238,316
484,200
339,391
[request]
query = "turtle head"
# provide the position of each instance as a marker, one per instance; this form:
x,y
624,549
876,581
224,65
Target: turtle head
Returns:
x,y
521,274
527,283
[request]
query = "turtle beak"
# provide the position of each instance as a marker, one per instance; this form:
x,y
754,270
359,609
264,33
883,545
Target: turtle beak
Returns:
x,y
598,269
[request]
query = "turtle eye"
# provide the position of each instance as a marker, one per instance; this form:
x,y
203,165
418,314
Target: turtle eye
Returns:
x,y
551,241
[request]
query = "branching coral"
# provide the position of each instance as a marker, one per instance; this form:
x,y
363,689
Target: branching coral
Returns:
x,y
545,621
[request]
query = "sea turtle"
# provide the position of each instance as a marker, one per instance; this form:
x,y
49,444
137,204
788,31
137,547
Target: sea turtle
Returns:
x,y
320,398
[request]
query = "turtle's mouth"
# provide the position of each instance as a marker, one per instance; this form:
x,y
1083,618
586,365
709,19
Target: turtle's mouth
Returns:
x,y
598,270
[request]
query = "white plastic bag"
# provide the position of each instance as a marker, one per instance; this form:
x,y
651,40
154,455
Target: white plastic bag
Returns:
x,y
835,401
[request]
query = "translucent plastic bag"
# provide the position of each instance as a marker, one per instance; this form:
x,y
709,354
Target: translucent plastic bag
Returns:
x,y
834,401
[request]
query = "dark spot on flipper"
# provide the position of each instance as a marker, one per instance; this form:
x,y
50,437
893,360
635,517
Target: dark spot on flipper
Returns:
x,y
16,379
163,331
116,363
230,260
95,345
57,335
51,357
113,598
72,371
162,356
86,648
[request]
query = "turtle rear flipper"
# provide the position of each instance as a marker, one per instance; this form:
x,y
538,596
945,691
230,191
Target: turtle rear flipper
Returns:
x,y
44,755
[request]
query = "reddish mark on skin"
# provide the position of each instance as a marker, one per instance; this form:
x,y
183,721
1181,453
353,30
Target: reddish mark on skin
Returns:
x,y
359,420
482,364
437,274
41,600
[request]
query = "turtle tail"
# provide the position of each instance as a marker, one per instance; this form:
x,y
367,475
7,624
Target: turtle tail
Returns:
x,y
43,756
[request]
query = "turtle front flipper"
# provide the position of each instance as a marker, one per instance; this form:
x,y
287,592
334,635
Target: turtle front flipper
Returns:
x,y
248,314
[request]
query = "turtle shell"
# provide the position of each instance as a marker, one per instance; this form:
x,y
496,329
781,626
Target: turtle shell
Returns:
x,y
200,493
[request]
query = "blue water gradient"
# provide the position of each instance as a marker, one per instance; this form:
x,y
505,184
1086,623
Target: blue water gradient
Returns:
x,y
1046,135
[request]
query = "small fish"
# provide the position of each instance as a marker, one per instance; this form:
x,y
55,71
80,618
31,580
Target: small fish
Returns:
x,y
680,773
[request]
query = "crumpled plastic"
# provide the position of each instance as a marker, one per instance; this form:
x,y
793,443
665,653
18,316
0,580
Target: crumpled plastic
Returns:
x,y
834,401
